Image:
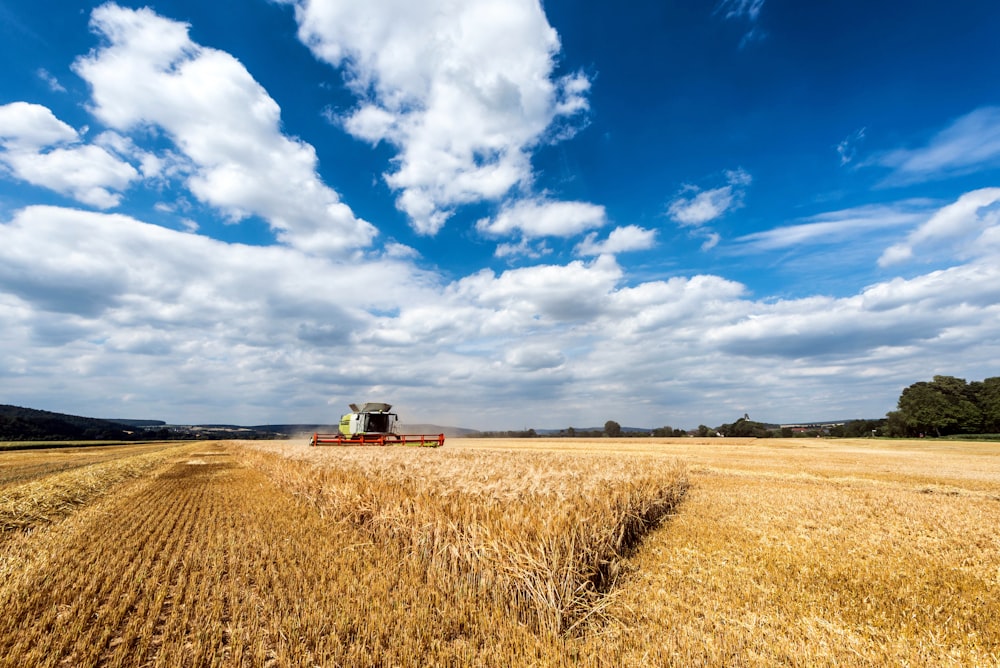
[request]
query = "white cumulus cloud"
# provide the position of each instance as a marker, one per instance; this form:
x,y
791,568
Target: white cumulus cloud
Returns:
x,y
463,90
955,228
535,357
181,324
694,207
544,218
620,240
39,148
31,127
148,72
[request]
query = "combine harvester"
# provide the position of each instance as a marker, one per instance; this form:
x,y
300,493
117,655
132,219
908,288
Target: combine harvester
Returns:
x,y
373,424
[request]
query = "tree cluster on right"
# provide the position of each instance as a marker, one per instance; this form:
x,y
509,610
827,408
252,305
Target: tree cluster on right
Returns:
x,y
947,406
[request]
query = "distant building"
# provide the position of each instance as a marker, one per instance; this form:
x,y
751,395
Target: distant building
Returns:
x,y
806,427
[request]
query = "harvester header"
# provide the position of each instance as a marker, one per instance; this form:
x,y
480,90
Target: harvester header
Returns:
x,y
373,424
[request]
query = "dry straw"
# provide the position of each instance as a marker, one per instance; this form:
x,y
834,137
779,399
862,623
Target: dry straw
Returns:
x,y
54,496
485,553
542,532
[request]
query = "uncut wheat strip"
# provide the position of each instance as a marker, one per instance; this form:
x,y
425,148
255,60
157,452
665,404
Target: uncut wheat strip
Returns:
x,y
454,581
554,573
356,494
378,600
566,572
341,492
524,477
447,487
503,474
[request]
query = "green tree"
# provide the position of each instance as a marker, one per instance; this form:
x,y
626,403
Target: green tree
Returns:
x,y
744,427
895,425
941,407
612,429
864,428
987,397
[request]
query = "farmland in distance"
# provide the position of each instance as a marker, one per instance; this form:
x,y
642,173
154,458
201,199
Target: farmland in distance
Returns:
x,y
487,552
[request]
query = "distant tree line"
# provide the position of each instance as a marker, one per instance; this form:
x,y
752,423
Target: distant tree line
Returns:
x,y
944,406
523,433
21,429
947,406
743,427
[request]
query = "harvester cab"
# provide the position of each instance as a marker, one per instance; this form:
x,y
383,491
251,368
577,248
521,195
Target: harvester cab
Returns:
x,y
373,424
371,418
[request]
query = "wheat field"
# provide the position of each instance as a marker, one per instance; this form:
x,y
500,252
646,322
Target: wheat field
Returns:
x,y
602,552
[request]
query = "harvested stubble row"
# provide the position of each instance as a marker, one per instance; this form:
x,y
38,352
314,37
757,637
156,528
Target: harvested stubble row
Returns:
x,y
540,534
20,466
40,501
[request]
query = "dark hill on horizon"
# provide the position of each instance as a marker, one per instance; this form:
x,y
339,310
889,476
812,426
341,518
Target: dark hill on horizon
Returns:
x,y
30,424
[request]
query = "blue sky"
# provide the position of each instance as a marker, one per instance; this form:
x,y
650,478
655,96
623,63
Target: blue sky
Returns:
x,y
496,214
